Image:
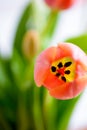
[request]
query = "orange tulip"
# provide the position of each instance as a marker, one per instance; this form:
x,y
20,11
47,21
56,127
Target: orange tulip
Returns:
x,y
60,4
62,70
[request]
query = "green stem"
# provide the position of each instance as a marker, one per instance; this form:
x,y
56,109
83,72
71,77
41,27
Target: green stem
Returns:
x,y
51,24
3,123
48,30
38,117
49,114
23,119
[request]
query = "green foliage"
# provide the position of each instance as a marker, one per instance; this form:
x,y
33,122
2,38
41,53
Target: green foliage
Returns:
x,y
23,106
26,19
80,41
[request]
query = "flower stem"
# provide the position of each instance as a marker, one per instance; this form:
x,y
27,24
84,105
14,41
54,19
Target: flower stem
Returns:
x,y
39,123
51,24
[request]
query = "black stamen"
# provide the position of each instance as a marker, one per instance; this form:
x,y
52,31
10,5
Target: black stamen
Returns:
x,y
63,78
53,68
67,72
60,65
67,64
58,74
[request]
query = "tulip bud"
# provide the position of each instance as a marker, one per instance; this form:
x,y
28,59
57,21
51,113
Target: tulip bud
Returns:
x,y
60,4
30,46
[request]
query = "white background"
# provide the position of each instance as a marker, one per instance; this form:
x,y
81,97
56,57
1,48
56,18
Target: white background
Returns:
x,y
73,22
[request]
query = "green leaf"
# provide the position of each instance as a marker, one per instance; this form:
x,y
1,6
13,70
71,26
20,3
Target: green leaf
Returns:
x,y
64,113
4,72
26,23
80,41
17,67
58,112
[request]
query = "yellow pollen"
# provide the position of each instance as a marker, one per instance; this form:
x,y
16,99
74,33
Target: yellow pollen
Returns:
x,y
64,69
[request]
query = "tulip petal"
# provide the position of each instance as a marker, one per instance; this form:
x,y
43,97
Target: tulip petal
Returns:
x,y
81,83
43,63
64,91
69,90
60,4
69,49
52,81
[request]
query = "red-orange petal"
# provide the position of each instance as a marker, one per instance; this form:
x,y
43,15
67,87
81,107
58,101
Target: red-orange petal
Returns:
x,y
69,90
52,81
60,4
43,63
64,91
69,49
81,83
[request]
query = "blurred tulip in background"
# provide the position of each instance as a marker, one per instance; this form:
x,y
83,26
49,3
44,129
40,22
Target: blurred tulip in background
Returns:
x,y
60,4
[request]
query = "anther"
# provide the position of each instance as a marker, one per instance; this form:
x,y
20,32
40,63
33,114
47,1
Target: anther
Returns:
x,y
60,65
67,72
63,78
58,74
67,64
53,68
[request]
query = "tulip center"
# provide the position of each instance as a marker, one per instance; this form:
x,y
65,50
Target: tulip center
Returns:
x,y
64,69
61,71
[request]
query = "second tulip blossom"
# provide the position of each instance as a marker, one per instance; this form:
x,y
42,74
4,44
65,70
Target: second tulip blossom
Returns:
x,y
62,70
60,4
